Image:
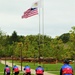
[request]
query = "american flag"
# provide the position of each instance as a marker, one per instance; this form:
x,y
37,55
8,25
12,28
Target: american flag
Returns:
x,y
30,12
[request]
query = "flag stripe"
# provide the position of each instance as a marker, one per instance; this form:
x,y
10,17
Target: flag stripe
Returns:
x,y
30,12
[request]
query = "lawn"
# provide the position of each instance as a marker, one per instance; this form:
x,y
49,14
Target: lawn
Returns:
x,y
2,70
51,68
47,67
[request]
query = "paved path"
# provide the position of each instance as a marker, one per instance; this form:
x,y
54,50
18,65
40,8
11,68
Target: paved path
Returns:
x,y
32,70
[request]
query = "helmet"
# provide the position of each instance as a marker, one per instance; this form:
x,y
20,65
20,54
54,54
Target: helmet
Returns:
x,y
66,61
39,66
14,65
6,65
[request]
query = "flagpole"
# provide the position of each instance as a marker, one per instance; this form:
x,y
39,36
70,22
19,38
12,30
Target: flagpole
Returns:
x,y
39,31
41,19
39,35
43,25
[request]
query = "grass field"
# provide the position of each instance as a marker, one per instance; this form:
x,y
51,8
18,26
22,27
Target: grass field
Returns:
x,y
47,67
2,70
51,68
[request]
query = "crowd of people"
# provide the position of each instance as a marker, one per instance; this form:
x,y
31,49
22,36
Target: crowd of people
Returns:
x,y
66,69
26,71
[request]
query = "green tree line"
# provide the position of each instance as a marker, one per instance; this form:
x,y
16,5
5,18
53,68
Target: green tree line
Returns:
x,y
60,47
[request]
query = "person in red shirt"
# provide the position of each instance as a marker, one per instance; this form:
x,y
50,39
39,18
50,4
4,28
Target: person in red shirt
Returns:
x,y
66,69
15,70
7,70
27,70
39,70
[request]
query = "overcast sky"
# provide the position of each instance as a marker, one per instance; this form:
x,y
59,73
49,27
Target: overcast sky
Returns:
x,y
59,17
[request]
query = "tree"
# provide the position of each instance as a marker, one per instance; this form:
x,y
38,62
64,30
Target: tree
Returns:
x,y
57,49
2,43
64,37
72,40
14,37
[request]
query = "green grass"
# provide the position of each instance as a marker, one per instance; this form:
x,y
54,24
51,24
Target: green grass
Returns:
x,y
55,72
2,70
2,67
51,68
47,67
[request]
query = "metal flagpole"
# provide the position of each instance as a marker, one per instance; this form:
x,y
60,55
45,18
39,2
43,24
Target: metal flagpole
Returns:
x,y
41,19
43,26
39,35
